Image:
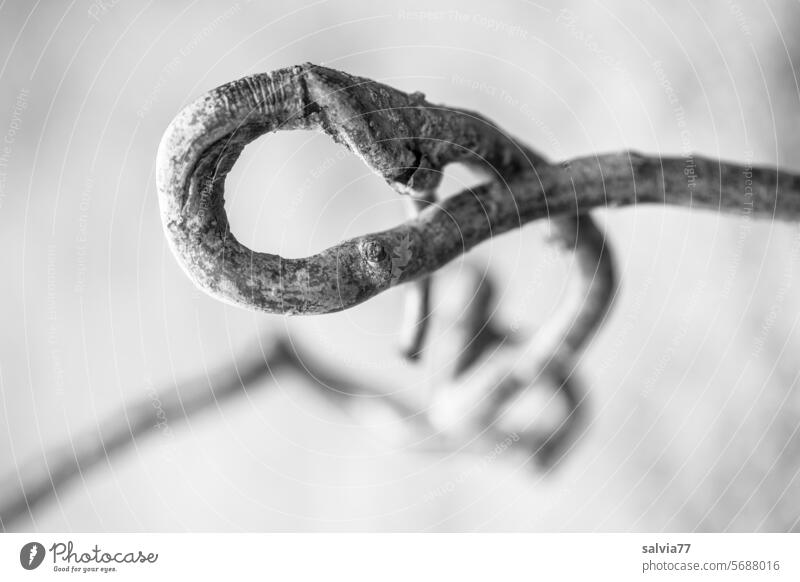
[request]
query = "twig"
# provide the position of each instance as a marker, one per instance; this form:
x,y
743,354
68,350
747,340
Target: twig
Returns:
x,y
402,137
474,331
469,218
43,477
408,141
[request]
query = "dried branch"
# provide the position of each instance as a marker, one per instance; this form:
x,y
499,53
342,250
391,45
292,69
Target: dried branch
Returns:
x,y
408,141
402,137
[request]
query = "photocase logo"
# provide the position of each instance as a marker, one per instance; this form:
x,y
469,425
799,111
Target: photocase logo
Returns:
x,y
31,555
401,258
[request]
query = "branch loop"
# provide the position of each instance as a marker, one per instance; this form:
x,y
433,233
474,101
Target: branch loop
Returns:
x,y
402,137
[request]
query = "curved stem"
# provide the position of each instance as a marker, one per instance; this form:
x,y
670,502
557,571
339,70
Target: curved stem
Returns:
x,y
480,401
551,356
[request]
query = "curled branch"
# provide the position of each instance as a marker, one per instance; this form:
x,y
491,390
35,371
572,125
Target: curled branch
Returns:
x,y
408,141
402,137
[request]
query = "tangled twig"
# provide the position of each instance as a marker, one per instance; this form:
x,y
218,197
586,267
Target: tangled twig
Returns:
x,y
479,401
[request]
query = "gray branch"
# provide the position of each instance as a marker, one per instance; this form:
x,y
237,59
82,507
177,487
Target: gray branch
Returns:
x,y
408,141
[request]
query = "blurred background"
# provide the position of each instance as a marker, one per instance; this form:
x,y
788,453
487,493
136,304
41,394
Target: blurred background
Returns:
x,y
694,405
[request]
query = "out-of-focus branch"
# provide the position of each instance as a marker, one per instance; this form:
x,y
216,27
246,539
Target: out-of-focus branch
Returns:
x,y
479,401
417,306
474,332
44,477
372,405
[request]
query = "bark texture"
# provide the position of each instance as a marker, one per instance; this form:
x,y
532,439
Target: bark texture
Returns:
x,y
404,138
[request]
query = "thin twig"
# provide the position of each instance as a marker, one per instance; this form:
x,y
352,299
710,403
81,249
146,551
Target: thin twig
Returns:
x,y
417,298
551,356
42,478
